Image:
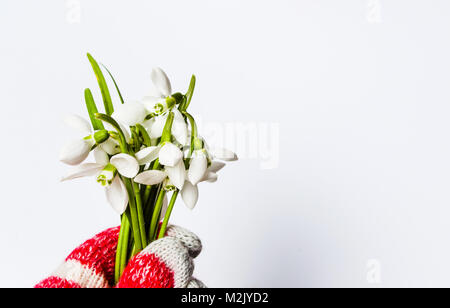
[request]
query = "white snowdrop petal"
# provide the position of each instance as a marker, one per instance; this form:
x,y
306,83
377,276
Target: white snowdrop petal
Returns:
x,y
189,194
180,132
101,157
148,124
150,177
126,165
83,170
154,92
161,81
152,99
210,177
149,102
130,114
76,151
224,154
110,146
179,127
197,168
147,155
78,123
117,195
177,174
157,126
170,155
216,166
165,205
108,126
126,131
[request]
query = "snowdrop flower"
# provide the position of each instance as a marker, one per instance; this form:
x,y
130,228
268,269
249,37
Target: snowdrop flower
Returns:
x,y
198,167
169,155
106,172
223,154
179,127
155,126
76,151
211,173
189,193
130,114
159,99
158,103
176,175
113,143
110,146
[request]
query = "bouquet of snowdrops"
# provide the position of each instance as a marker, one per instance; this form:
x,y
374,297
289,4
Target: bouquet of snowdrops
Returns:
x,y
143,152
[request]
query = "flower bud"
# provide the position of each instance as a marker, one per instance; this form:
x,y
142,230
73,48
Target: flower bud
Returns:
x,y
165,105
130,113
170,102
168,185
106,177
101,136
75,152
198,144
178,97
198,167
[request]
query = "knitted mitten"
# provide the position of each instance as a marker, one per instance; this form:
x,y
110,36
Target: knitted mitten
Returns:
x,y
165,263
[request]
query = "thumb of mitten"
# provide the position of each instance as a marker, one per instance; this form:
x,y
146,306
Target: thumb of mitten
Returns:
x,y
165,263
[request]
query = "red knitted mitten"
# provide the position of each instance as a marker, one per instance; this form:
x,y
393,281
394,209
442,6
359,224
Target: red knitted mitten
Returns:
x,y
165,263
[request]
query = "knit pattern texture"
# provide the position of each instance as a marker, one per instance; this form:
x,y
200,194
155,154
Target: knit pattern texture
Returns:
x,y
165,263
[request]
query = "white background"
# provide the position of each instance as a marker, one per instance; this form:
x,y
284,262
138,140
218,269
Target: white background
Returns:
x,y
360,94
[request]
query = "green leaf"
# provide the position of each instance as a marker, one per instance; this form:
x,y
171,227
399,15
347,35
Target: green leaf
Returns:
x,y
135,136
167,132
193,132
107,102
92,110
115,84
189,94
144,134
108,119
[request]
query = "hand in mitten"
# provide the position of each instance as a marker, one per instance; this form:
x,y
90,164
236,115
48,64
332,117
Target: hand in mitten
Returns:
x,y
165,263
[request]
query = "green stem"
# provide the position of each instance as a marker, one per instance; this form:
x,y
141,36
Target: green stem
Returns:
x,y
156,213
145,136
135,139
147,192
149,188
162,231
119,249
189,94
140,214
129,252
167,132
148,211
194,132
123,246
133,213
122,140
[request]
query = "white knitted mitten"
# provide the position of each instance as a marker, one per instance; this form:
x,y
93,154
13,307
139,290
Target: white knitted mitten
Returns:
x,y
165,263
